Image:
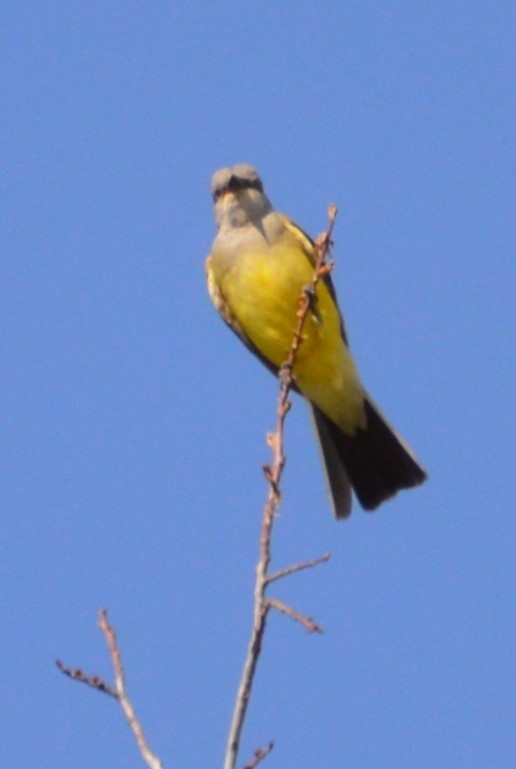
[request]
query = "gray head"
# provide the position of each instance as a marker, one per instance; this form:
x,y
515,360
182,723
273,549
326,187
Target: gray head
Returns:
x,y
238,196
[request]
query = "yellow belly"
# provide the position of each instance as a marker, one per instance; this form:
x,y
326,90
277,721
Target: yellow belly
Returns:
x,y
261,289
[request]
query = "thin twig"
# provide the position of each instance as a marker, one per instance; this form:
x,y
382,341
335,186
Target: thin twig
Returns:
x,y
113,648
288,570
259,755
273,474
95,682
118,691
307,622
152,761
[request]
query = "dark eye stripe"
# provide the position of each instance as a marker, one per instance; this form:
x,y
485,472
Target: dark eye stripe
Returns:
x,y
237,183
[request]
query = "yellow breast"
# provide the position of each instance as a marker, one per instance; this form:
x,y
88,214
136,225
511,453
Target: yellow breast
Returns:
x,y
260,286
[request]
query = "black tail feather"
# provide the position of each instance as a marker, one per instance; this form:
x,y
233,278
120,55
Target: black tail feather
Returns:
x,y
375,462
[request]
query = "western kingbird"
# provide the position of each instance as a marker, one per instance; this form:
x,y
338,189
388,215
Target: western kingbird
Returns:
x,y
258,266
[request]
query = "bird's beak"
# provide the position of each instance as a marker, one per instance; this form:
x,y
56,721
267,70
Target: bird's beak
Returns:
x,y
234,184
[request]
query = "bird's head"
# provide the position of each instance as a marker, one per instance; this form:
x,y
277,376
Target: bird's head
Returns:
x,y
238,196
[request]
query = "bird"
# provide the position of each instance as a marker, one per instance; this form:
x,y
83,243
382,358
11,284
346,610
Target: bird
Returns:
x,y
259,264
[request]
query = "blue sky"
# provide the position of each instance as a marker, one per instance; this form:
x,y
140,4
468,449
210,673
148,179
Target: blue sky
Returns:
x,y
133,423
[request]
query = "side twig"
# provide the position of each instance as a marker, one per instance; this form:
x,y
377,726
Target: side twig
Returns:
x,y
287,571
273,474
118,691
307,622
259,755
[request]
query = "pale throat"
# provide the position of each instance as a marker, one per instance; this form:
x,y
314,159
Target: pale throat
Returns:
x,y
232,212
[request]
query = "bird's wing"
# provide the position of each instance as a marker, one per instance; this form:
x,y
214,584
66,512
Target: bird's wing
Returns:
x,y
308,247
222,306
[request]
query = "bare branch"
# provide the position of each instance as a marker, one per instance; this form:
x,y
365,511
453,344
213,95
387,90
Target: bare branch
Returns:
x,y
273,474
307,622
113,648
108,630
118,691
95,682
286,572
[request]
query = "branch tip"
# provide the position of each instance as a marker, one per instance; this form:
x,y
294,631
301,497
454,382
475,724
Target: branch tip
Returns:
x,y
259,755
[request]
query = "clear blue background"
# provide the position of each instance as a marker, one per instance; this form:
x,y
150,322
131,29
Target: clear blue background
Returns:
x,y
133,423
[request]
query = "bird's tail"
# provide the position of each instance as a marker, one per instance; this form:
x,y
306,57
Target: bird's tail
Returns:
x,y
376,462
